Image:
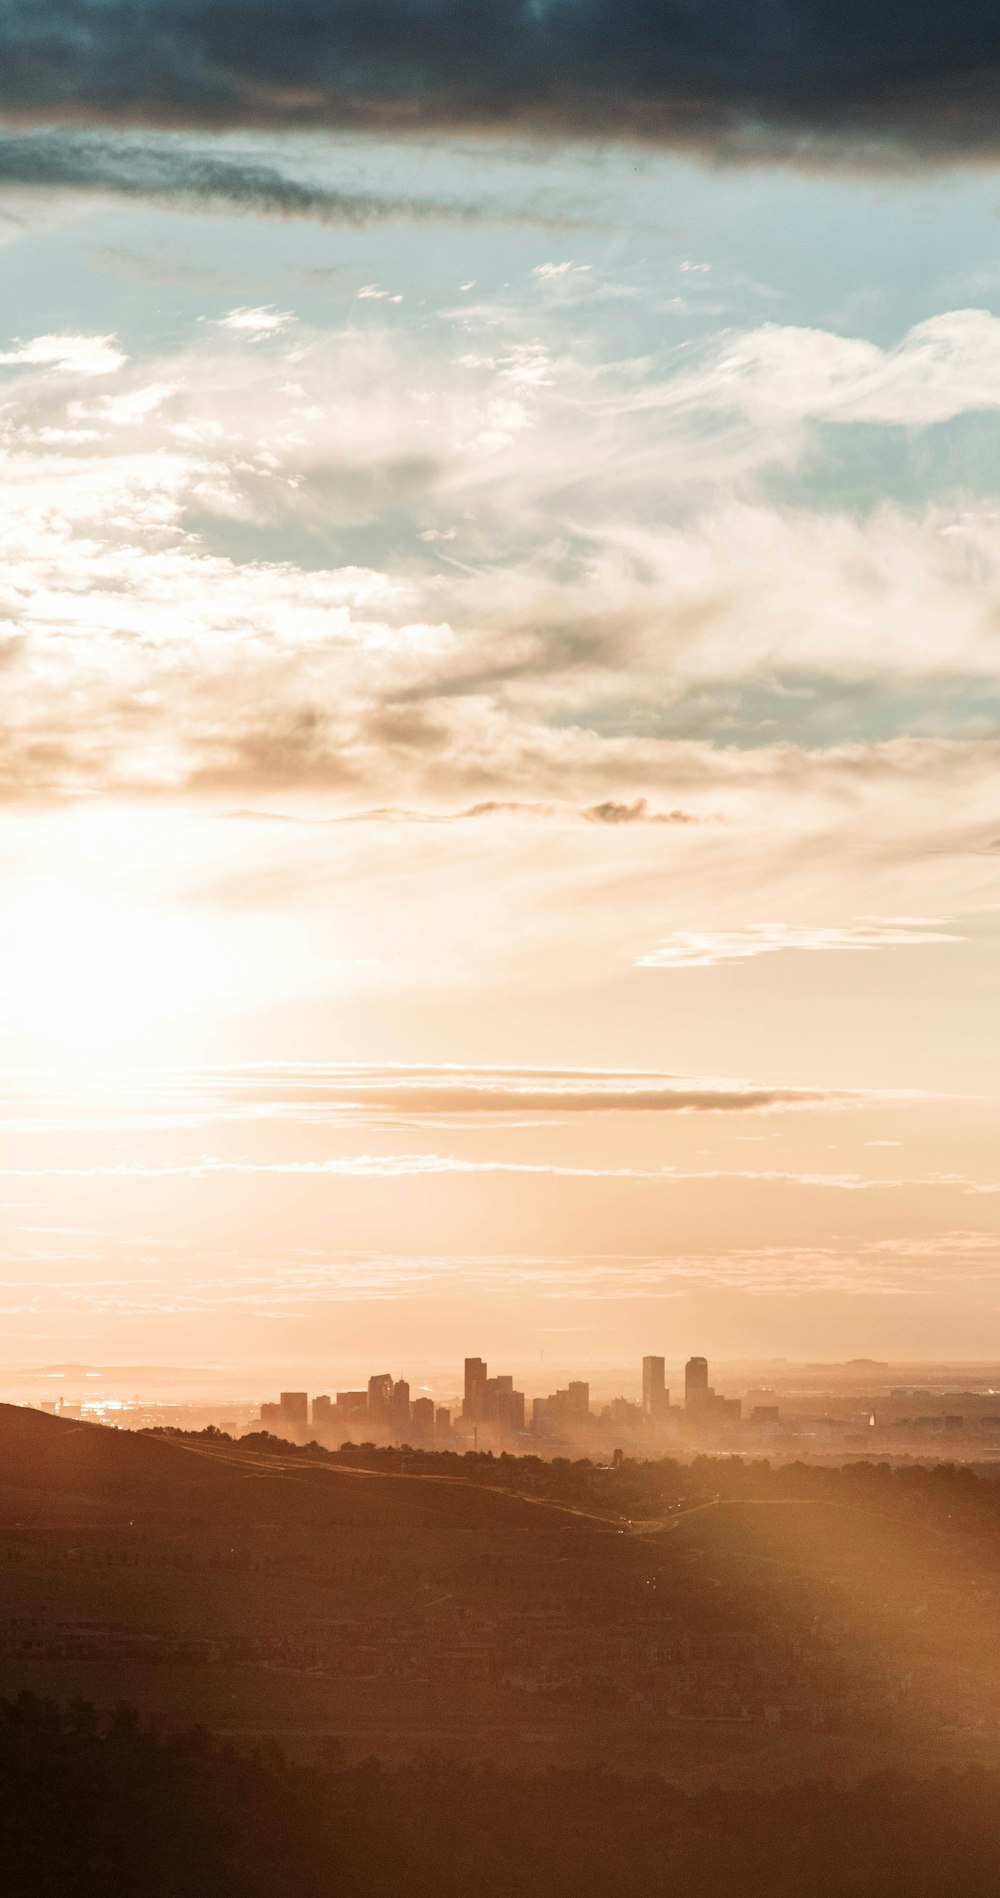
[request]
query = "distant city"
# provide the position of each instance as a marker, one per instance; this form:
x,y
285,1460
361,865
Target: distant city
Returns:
x,y
493,1415
857,1408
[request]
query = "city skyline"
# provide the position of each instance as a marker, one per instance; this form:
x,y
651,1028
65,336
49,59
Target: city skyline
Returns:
x,y
860,1412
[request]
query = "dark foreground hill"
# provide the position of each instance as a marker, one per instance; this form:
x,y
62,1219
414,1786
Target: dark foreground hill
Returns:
x,y
92,1805
755,1636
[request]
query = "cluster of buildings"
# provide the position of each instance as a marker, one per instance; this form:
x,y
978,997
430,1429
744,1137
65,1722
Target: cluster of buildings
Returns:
x,y
492,1414
385,1411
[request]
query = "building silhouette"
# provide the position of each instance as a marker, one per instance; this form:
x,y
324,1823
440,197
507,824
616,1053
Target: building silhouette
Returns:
x,y
380,1398
655,1395
578,1402
399,1406
386,1414
474,1408
697,1394
351,1404
702,1404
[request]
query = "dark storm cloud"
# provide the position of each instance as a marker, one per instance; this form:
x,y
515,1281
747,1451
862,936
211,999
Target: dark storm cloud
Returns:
x,y
719,76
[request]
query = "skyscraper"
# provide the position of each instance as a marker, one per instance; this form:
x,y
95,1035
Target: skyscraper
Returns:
x,y
655,1396
399,1405
578,1401
379,1398
352,1404
696,1391
294,1407
476,1378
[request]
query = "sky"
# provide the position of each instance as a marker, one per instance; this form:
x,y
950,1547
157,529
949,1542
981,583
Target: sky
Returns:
x,y
499,630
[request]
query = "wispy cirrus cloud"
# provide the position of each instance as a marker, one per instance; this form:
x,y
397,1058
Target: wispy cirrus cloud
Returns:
x,y
899,1266
403,1166
316,1093
946,366
608,811
705,949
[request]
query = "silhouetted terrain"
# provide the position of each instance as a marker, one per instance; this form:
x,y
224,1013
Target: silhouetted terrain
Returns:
x,y
720,1621
90,1806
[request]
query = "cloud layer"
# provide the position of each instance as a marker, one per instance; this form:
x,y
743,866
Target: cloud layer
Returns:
x,y
704,949
318,1093
173,172
793,80
569,621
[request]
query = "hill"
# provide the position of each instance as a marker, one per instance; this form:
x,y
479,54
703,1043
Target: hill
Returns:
x,y
266,1591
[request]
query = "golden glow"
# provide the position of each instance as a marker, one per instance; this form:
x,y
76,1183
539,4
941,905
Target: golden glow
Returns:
x,y
81,971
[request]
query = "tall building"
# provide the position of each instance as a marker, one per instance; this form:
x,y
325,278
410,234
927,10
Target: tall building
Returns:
x,y
379,1398
559,1410
578,1402
503,1406
322,1411
399,1405
422,1416
294,1407
351,1404
655,1395
696,1388
474,1408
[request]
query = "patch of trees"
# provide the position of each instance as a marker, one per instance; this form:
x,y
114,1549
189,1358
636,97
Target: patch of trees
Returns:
x,y
92,1805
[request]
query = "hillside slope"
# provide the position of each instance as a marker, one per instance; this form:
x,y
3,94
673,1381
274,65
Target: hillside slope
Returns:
x,y
268,1592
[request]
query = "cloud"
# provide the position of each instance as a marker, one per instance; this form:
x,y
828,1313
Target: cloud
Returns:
x,y
73,355
607,812
638,812
895,1267
706,949
944,367
399,1166
319,1093
170,170
581,645
259,322
833,82
473,1092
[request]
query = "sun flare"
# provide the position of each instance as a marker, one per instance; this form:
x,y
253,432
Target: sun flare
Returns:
x,y
81,971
